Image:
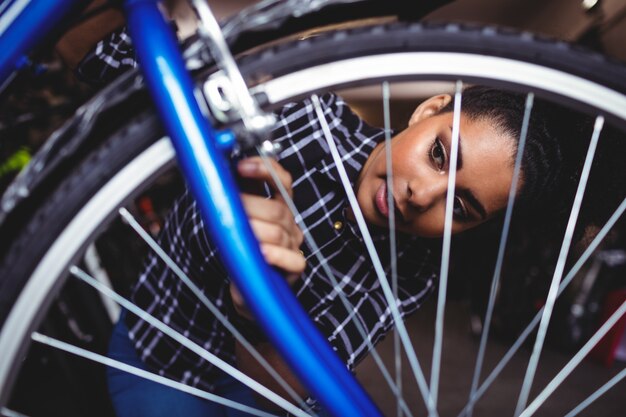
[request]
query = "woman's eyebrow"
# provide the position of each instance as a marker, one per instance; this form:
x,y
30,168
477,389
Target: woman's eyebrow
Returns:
x,y
473,201
459,158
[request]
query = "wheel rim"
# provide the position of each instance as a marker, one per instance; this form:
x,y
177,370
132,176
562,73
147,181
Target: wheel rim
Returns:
x,y
446,66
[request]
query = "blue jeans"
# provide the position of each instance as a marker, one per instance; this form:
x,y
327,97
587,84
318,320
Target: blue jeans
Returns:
x,y
134,396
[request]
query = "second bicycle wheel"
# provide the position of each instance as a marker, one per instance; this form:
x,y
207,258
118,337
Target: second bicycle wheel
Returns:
x,y
35,270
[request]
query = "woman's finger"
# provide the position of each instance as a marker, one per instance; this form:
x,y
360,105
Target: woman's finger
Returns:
x,y
292,262
239,303
271,211
273,234
254,168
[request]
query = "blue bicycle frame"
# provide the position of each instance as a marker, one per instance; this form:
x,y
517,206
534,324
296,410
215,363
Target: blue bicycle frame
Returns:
x,y
24,23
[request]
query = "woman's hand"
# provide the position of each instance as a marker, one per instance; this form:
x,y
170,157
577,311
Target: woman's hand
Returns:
x,y
272,223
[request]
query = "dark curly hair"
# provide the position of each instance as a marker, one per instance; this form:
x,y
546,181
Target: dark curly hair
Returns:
x,y
556,144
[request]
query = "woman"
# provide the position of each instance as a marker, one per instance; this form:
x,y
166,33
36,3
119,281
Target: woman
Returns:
x,y
489,130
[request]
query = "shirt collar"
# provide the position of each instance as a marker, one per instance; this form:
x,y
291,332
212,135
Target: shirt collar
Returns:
x,y
355,141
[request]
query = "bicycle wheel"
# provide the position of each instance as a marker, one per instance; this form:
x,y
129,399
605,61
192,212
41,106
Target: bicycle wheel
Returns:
x,y
35,268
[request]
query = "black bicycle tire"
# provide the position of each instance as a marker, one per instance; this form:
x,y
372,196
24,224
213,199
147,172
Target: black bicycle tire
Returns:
x,y
438,37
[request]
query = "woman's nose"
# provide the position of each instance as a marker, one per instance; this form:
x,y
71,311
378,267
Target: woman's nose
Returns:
x,y
424,194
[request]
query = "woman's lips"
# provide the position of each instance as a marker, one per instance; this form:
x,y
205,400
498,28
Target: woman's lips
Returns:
x,y
382,205
381,200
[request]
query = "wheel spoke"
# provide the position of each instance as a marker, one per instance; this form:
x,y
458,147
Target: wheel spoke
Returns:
x,y
447,239
92,356
392,304
393,253
599,392
132,222
324,265
575,361
503,241
10,413
194,347
560,266
535,321
94,266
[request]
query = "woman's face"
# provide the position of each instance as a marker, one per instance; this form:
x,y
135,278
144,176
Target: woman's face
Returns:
x,y
420,160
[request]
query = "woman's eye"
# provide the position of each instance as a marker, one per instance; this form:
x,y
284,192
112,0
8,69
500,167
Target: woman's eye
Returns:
x,y
438,154
459,211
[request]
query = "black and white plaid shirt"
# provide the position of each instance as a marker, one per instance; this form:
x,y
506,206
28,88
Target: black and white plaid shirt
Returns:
x,y
111,56
321,201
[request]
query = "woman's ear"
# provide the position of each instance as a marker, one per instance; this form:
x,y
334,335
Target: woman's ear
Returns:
x,y
430,107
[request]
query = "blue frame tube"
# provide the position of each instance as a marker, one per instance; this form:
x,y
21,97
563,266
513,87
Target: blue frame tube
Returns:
x,y
24,24
208,174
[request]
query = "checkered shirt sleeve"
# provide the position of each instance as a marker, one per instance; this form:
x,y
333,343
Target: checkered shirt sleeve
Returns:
x,y
111,57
